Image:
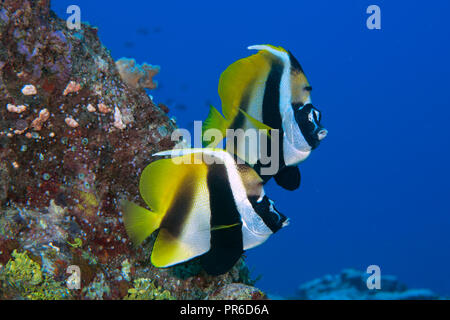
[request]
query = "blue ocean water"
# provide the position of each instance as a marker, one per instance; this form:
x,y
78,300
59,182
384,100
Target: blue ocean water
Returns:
x,y
377,190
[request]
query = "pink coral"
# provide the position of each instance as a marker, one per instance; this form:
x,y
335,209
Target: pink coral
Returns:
x,y
29,90
15,109
71,122
91,108
118,123
137,76
103,108
37,123
72,87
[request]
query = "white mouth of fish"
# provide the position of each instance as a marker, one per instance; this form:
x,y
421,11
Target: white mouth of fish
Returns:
x,y
322,134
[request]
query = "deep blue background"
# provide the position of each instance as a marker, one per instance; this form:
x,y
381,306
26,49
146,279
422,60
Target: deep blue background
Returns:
x,y
377,190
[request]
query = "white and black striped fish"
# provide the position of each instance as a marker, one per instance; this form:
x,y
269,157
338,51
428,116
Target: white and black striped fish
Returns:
x,y
204,204
269,90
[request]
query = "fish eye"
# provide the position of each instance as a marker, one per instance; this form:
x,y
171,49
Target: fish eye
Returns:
x,y
308,88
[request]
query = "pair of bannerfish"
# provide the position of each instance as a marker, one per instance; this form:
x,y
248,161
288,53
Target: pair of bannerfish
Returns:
x,y
207,204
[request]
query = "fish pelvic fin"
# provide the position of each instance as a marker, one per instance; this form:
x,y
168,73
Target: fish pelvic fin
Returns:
x,y
220,227
214,121
139,222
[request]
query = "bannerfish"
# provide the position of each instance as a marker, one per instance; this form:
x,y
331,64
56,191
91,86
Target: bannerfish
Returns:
x,y
269,90
204,204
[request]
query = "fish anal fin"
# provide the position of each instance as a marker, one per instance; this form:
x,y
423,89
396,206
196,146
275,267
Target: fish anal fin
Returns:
x,y
169,250
226,249
185,231
289,178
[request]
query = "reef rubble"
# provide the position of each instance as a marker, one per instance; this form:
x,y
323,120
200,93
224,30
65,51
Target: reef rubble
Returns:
x,y
351,284
74,138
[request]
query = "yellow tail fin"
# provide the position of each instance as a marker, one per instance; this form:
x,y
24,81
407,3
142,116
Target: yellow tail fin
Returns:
x,y
139,222
214,121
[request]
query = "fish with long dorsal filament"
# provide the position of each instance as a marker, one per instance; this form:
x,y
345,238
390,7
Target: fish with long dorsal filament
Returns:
x,y
269,90
204,203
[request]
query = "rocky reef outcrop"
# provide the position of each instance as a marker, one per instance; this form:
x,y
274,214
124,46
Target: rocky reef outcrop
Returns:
x,y
351,284
74,138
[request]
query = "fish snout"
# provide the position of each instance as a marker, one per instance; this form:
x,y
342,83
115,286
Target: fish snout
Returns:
x,y
322,134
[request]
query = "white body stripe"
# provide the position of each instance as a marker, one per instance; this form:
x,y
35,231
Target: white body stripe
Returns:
x,y
255,110
295,147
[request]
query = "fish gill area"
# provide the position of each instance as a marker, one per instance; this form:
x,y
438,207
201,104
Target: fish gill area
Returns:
x,y
76,130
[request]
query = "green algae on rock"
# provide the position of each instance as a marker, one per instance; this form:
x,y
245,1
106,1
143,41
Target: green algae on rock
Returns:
x,y
23,277
145,289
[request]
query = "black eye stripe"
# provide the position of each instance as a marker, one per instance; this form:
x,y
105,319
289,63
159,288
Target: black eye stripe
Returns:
x,y
305,110
308,88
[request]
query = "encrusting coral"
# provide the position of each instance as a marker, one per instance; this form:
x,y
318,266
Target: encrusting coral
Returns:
x,y
76,130
137,76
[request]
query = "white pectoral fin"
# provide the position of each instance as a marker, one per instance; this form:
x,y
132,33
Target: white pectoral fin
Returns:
x,y
293,156
251,239
295,147
254,230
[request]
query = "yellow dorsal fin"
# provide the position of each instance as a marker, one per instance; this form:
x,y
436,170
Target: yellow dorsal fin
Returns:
x,y
239,78
161,179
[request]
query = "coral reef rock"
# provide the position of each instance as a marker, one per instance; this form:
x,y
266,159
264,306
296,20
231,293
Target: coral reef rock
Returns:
x,y
237,291
74,138
137,76
351,284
